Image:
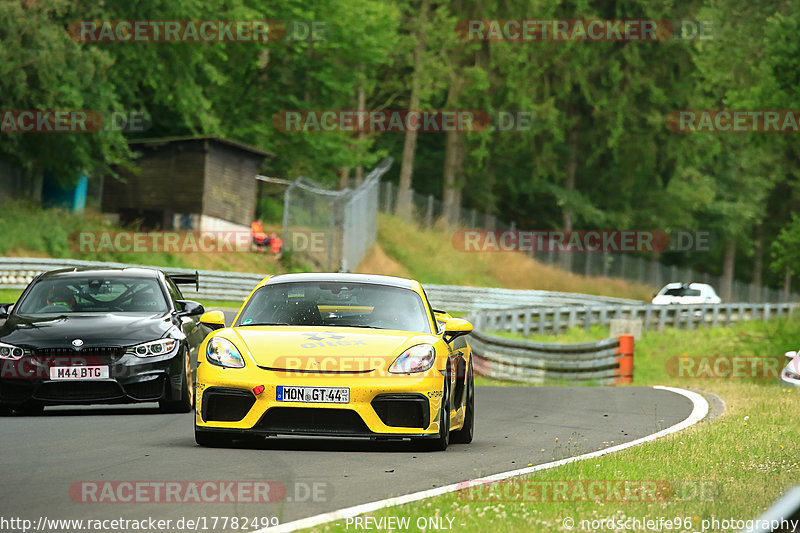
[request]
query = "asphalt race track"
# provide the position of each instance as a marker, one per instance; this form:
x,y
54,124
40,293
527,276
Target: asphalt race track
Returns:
x,y
44,456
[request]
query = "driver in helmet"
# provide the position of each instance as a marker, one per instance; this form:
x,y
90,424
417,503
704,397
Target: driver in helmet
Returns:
x,y
60,295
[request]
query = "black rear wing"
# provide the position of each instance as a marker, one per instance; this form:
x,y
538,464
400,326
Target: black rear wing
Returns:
x,y
186,279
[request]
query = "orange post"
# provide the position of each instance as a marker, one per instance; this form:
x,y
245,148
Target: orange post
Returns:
x,y
624,372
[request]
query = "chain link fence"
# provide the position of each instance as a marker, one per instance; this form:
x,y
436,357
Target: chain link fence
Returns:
x,y
332,229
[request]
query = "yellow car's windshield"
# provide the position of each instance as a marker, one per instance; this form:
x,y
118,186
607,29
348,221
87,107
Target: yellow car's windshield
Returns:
x,y
334,304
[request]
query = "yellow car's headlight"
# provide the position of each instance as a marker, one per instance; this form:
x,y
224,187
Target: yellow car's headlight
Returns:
x,y
418,358
222,352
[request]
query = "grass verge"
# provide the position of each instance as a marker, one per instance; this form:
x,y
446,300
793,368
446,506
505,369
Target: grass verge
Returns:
x,y
733,467
429,256
29,231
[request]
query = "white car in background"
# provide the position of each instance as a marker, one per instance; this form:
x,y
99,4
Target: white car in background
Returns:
x,y
791,373
686,293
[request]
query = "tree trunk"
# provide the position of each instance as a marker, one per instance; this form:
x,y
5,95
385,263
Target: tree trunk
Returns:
x,y
565,258
453,175
344,177
787,283
758,260
404,193
726,291
362,105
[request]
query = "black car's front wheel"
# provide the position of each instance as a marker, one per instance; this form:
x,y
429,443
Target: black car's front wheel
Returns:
x,y
29,409
185,403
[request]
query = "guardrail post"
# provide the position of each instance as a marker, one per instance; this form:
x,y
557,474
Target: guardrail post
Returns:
x,y
624,360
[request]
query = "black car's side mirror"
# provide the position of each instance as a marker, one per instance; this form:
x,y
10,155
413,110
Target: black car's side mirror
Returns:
x,y
190,308
5,311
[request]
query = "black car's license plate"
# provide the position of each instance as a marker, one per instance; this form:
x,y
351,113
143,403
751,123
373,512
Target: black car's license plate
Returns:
x,y
312,394
78,372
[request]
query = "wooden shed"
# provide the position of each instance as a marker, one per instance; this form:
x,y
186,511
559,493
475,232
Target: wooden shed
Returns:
x,y
198,183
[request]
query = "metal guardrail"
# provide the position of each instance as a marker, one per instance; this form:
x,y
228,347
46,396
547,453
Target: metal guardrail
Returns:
x,y
553,320
17,272
602,361
607,361
458,298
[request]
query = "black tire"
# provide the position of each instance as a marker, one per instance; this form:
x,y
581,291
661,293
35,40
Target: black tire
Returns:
x,y
186,401
5,410
464,435
439,444
29,409
211,439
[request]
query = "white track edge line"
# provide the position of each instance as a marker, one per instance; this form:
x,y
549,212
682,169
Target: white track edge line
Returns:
x,y
699,412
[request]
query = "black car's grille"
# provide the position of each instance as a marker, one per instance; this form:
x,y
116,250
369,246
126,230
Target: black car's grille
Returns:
x,y
151,389
79,391
312,420
403,410
222,404
91,354
15,390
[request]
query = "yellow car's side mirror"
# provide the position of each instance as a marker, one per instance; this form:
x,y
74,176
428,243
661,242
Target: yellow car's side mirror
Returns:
x,y
213,319
456,327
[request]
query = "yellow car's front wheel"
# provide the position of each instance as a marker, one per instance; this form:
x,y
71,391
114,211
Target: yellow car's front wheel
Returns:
x,y
464,435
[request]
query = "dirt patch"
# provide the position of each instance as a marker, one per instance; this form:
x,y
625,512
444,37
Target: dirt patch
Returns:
x,y
376,261
24,252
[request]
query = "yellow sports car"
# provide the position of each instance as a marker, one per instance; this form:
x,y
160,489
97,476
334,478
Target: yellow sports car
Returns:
x,y
350,355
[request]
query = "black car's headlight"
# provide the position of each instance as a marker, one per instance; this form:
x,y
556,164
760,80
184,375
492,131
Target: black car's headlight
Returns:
x,y
8,351
222,352
153,348
418,358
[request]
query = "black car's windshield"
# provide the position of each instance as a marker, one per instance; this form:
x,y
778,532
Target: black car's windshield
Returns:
x,y
62,295
336,304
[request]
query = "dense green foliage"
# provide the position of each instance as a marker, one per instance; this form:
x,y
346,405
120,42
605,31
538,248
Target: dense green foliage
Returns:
x,y
600,152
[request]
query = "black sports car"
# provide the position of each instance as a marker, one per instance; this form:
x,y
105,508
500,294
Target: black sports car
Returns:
x,y
108,335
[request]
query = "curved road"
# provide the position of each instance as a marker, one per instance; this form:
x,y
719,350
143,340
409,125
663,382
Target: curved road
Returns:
x,y
43,457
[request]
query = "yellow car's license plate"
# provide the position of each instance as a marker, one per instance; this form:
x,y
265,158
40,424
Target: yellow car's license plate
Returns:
x,y
312,394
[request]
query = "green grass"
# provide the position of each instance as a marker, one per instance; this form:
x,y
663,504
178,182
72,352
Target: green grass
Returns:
x,y
573,335
53,232
732,467
9,295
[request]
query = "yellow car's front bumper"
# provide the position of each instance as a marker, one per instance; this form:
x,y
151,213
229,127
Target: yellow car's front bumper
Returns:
x,y
380,404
